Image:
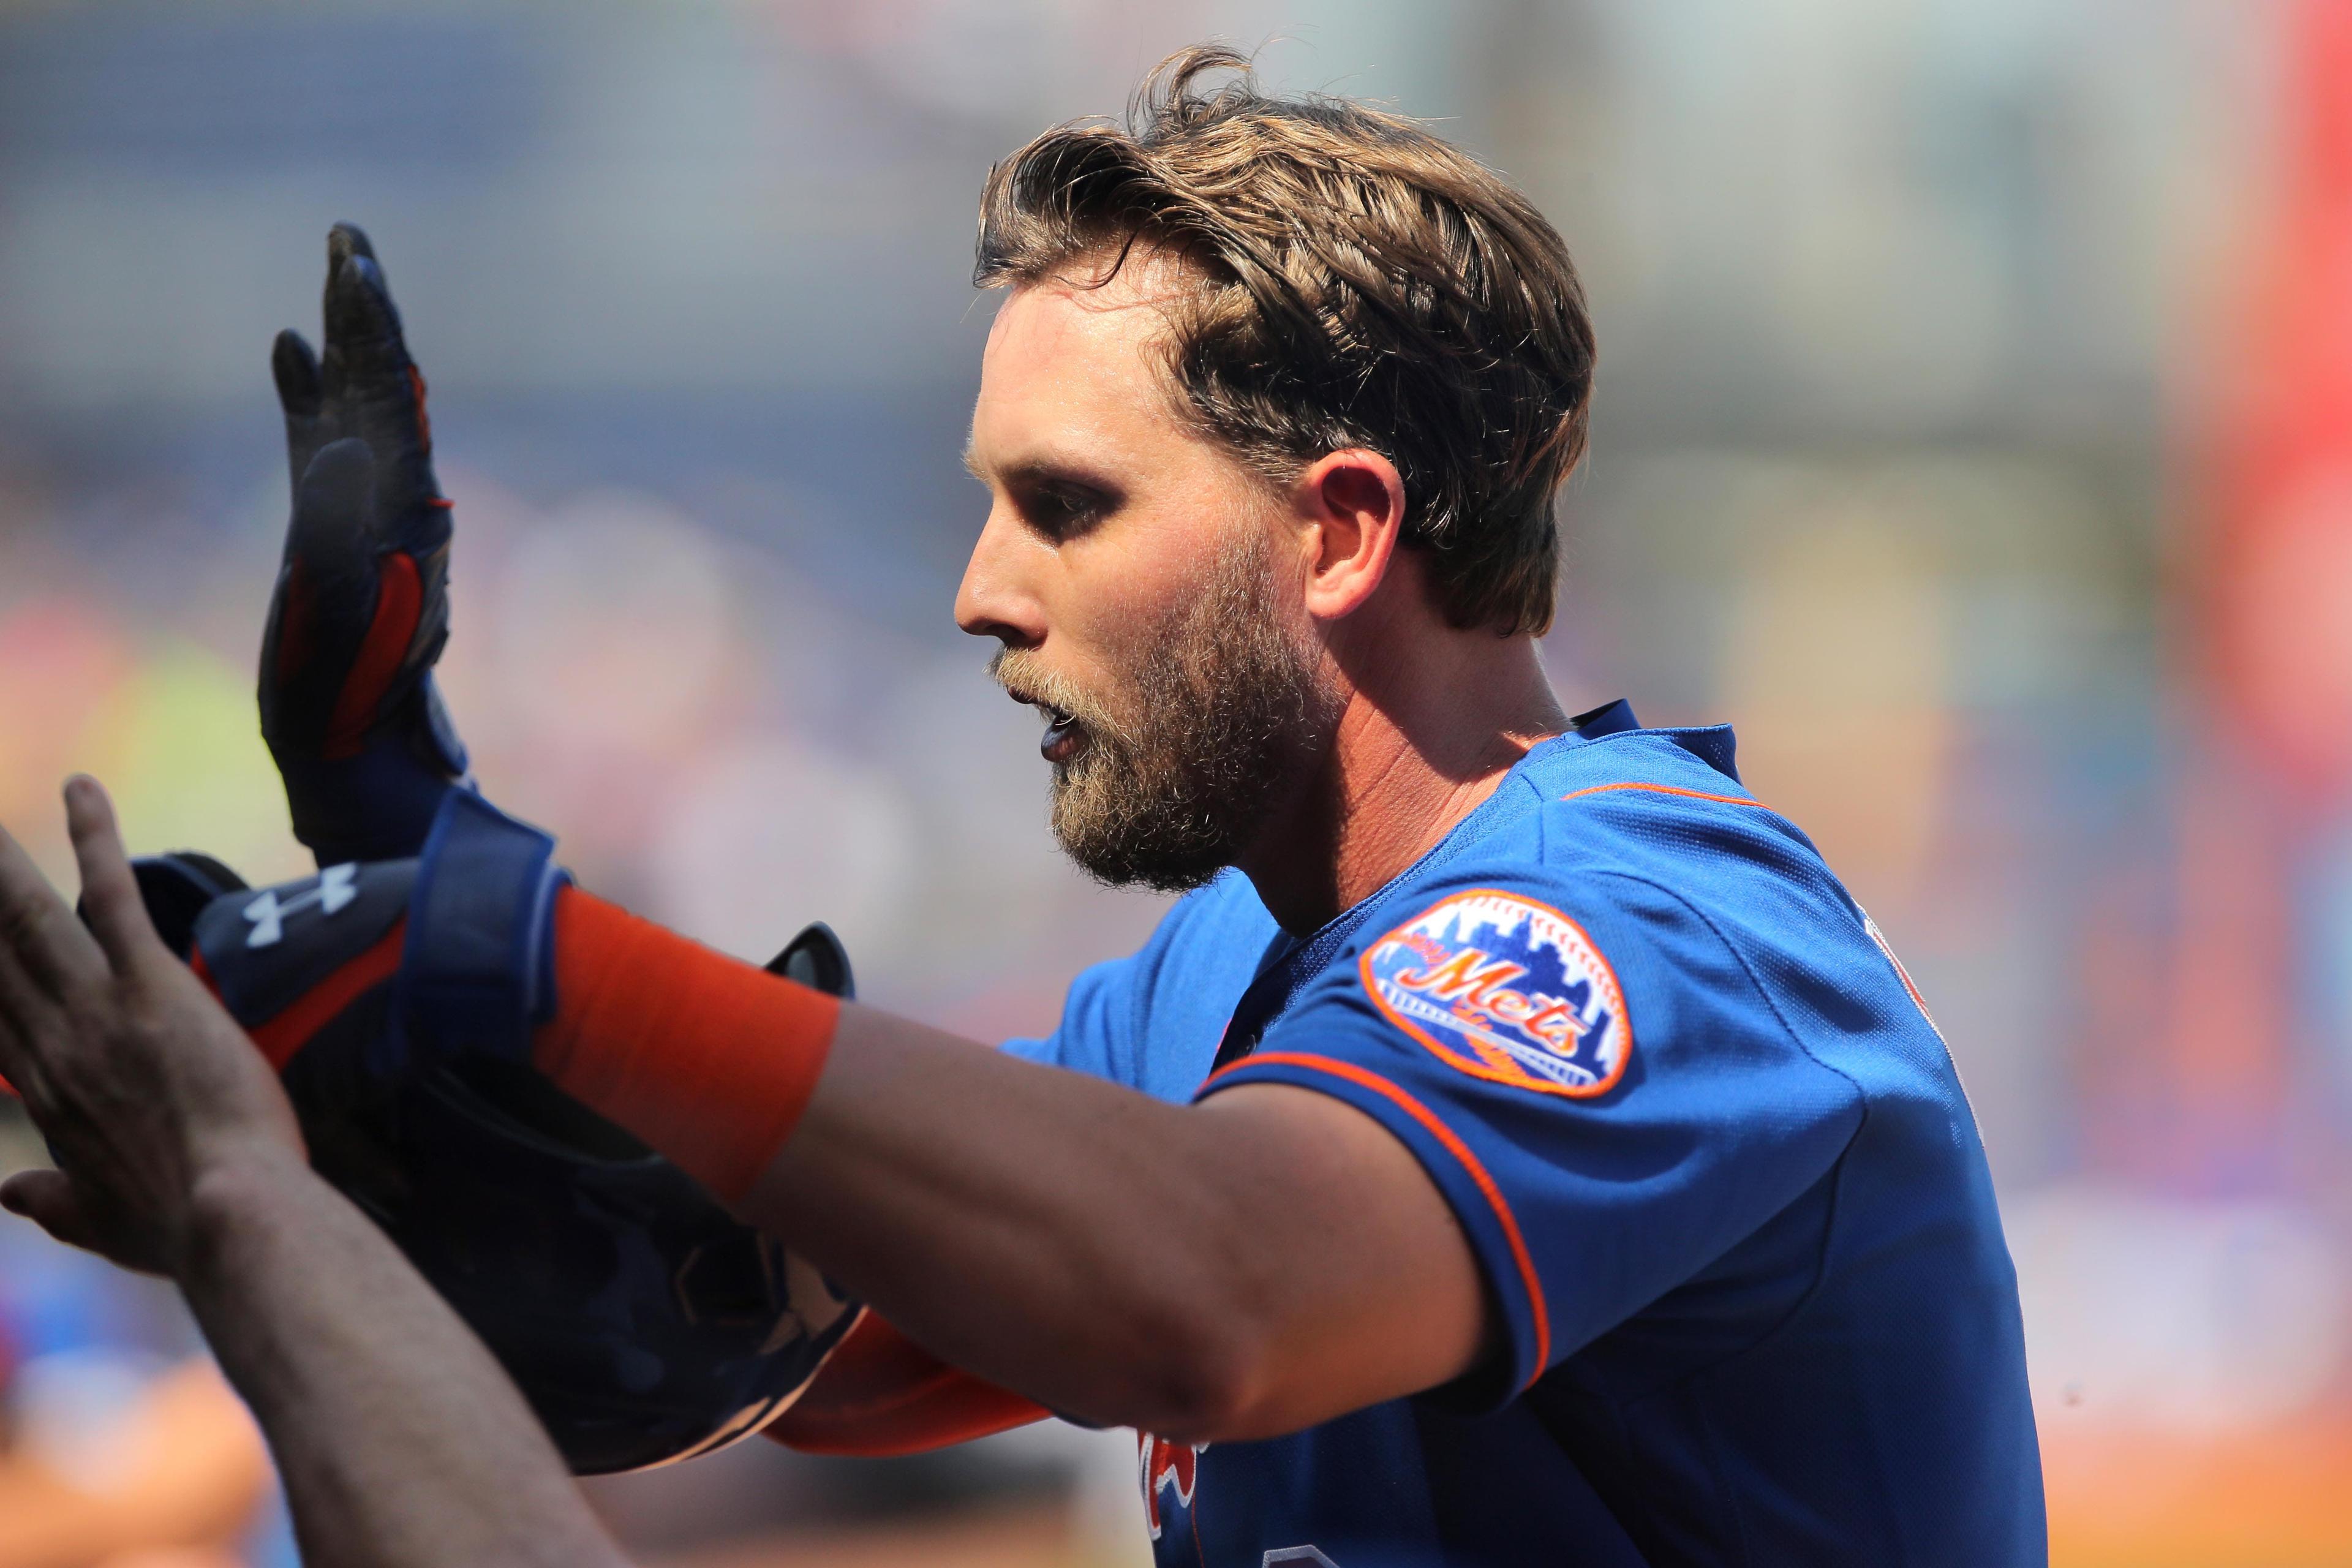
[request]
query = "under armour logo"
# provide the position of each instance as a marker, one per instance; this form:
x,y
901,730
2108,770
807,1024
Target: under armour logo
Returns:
x,y
334,889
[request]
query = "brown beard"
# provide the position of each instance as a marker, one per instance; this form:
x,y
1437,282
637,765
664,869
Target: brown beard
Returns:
x,y
1223,721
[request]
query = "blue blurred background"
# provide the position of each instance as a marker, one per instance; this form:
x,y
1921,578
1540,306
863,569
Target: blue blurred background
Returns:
x,y
1974,430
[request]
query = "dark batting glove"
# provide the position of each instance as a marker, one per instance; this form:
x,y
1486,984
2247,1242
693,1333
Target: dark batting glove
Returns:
x,y
361,607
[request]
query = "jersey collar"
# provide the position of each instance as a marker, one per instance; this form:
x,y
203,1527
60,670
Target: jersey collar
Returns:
x,y
1611,718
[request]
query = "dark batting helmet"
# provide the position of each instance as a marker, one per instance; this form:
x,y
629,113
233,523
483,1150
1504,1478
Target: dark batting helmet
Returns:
x,y
643,1322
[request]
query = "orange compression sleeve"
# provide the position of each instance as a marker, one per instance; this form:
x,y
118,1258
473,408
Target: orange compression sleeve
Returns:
x,y
882,1394
707,1059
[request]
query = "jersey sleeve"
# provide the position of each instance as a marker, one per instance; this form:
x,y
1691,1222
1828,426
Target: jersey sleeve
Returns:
x,y
1589,1074
1152,1021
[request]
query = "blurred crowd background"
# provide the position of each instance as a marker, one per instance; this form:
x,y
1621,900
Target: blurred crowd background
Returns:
x,y
1974,430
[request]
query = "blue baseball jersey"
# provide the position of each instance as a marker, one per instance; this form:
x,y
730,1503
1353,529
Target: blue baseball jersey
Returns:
x,y
1722,1181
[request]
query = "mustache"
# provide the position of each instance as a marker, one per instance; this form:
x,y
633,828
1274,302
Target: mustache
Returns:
x,y
1025,679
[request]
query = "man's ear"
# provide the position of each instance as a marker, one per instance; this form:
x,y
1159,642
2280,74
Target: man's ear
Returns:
x,y
1351,506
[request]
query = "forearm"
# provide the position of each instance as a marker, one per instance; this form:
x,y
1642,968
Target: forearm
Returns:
x,y
400,1441
1266,1259
1203,1271
1002,1226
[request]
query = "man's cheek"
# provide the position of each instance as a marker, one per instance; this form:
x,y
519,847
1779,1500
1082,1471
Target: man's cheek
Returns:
x,y
1135,573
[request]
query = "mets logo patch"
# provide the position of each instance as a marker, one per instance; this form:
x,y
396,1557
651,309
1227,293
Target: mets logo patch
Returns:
x,y
1505,988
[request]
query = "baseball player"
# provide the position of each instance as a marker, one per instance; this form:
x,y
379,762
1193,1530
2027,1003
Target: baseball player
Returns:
x,y
1515,1147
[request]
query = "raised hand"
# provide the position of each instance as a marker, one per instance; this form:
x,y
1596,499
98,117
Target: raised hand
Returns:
x,y
145,1087
361,609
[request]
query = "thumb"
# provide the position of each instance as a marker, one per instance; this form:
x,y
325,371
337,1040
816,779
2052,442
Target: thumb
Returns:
x,y
47,1198
51,1200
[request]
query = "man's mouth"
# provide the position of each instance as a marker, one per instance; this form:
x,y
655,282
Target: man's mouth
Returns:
x,y
1063,737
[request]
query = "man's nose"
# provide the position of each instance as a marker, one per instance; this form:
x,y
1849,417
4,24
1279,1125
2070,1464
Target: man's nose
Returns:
x,y
995,600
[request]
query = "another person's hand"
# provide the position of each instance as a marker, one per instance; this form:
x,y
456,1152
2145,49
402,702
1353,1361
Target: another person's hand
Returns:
x,y
147,1092
361,607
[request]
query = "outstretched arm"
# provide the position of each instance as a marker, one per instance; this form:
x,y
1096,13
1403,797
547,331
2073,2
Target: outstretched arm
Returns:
x,y
401,1442
1248,1266
1252,1265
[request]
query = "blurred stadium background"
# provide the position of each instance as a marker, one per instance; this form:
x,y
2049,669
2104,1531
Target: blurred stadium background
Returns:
x,y
1975,430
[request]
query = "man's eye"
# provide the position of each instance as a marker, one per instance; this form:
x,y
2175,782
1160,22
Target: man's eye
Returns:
x,y
1060,514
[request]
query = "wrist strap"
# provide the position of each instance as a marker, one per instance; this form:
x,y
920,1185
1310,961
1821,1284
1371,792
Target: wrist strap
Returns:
x,y
379,802
706,1059
478,970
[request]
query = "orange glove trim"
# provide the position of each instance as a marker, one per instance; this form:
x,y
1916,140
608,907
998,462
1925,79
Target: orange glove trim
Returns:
x,y
399,605
291,1029
707,1059
881,1395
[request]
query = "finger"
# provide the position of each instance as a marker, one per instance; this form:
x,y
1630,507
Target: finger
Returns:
x,y
176,888
295,369
49,1199
16,1022
345,240
302,397
363,330
332,533
381,392
326,600
38,927
29,1015
111,903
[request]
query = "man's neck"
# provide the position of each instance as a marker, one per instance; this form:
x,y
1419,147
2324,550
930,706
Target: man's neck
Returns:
x,y
1430,727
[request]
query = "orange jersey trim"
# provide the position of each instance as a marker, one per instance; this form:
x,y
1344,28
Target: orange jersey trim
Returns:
x,y
1668,789
1904,975
1451,1141
424,420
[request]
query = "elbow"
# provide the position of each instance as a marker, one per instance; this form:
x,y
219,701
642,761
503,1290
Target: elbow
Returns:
x,y
1208,1397
1210,1334
1207,1377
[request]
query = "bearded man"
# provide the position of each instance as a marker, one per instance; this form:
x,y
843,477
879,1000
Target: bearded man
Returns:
x,y
1514,1148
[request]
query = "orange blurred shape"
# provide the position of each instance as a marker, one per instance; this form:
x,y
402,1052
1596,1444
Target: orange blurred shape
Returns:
x,y
2276,579
185,1481
59,659
2270,1499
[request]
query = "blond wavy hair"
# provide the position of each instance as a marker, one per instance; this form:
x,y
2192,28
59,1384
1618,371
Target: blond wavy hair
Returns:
x,y
1354,281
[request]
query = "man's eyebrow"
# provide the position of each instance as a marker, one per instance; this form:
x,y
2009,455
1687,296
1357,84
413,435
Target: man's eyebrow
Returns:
x,y
972,463
1034,472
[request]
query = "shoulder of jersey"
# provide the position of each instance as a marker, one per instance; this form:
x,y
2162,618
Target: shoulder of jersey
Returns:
x,y
1495,975
1648,781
